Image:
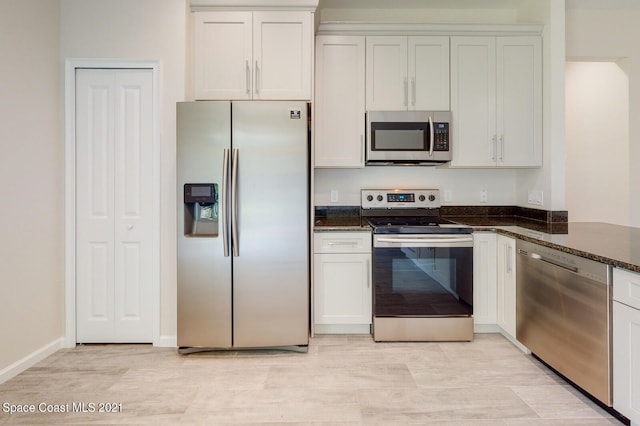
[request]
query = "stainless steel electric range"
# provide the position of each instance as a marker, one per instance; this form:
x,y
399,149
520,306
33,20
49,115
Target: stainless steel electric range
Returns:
x,y
422,268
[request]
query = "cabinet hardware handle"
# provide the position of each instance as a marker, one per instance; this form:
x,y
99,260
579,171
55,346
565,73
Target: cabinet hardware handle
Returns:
x,y
406,92
257,74
494,147
362,148
501,147
248,77
413,91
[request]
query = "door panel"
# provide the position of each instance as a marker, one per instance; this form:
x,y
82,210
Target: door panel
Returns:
x,y
271,273
222,43
114,193
473,100
282,55
204,274
386,73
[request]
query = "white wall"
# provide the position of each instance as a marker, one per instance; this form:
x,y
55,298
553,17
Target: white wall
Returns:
x,y
31,180
597,122
616,37
550,178
465,185
141,29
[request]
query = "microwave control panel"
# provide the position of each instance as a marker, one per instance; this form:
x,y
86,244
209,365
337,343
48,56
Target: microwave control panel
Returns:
x,y
441,136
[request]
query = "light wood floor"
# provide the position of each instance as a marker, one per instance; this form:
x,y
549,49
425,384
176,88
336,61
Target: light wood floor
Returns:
x,y
341,380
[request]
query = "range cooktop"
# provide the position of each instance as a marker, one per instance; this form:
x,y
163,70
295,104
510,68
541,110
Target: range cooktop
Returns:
x,y
407,211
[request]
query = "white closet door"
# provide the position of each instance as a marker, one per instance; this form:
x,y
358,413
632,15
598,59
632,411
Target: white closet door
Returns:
x,y
113,205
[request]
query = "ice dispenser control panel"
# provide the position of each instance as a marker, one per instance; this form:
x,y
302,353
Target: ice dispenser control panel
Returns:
x,y
200,210
202,193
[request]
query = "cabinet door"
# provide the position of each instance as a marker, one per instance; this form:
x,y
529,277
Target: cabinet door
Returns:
x,y
428,73
519,102
626,361
473,101
484,278
342,288
339,102
222,55
506,278
386,76
282,54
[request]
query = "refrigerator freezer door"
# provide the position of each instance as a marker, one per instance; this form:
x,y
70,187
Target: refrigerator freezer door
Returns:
x,y
204,274
271,269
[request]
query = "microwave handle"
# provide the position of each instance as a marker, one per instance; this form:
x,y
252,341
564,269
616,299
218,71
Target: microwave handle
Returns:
x,y
431,141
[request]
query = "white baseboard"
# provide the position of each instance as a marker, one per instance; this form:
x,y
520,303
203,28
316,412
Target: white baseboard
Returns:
x,y
486,328
165,341
30,360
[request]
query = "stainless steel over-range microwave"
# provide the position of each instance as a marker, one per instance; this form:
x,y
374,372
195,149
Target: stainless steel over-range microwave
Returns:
x,y
408,137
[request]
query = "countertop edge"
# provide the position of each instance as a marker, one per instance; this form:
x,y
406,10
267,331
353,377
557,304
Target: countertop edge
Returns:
x,y
517,235
527,235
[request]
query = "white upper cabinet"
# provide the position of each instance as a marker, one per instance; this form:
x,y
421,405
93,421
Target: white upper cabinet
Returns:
x,y
253,55
407,73
496,101
428,73
339,101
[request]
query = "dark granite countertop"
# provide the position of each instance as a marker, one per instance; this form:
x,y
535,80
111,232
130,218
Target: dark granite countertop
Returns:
x,y
607,243
603,242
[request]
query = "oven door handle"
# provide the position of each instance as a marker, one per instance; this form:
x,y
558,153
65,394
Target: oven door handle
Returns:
x,y
425,240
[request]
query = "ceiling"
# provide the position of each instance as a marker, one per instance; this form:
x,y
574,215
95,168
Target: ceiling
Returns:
x,y
420,4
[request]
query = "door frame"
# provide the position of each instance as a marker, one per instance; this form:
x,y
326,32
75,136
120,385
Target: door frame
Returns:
x,y
71,64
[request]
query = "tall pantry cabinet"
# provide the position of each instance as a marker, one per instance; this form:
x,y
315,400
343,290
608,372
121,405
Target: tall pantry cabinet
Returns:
x,y
252,55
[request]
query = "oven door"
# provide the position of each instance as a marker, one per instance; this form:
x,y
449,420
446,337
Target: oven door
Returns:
x,y
426,275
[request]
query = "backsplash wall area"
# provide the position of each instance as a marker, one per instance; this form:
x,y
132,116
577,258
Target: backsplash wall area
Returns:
x,y
464,185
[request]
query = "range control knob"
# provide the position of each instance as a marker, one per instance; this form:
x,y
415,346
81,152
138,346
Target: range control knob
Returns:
x,y
421,198
369,197
432,197
380,198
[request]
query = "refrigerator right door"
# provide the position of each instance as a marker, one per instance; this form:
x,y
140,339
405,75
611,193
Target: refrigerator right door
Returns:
x,y
204,273
271,269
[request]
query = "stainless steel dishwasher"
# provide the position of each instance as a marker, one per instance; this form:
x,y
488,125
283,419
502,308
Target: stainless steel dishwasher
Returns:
x,y
563,315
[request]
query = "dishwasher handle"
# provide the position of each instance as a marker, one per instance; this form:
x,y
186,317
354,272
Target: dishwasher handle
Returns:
x,y
537,256
584,267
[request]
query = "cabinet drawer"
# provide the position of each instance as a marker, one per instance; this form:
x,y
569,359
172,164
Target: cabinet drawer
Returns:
x,y
626,287
342,242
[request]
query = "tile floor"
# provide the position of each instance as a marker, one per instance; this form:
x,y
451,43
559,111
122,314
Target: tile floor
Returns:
x,y
342,380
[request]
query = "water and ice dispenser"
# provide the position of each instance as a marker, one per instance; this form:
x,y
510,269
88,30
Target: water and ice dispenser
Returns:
x,y
201,209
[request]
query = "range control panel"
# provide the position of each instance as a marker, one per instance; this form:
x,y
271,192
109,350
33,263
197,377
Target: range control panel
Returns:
x,y
399,198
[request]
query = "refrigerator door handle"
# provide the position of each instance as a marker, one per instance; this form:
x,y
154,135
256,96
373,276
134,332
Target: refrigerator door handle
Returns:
x,y
234,203
225,202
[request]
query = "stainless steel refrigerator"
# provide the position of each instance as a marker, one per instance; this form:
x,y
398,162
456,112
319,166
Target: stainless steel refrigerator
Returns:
x,y
243,224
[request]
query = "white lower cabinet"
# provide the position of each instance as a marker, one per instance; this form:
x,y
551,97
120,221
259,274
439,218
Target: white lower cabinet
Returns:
x,y
342,282
506,291
484,282
626,344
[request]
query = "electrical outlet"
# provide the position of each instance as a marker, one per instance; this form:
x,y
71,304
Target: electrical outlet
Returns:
x,y
447,196
535,197
483,196
334,196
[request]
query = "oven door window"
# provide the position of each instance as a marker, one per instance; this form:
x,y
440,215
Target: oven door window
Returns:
x,y
399,136
423,281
